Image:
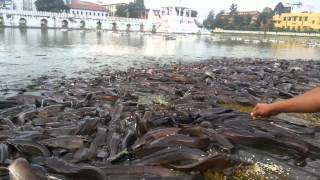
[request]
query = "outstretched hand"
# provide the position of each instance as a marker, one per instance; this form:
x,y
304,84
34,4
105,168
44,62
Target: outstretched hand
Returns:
x,y
261,111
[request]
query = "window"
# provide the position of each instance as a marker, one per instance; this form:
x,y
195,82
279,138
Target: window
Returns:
x,y
300,18
289,19
94,13
90,13
313,22
294,18
77,12
73,12
86,13
306,18
98,14
81,12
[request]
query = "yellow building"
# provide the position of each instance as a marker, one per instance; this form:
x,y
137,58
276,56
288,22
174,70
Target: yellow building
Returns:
x,y
297,21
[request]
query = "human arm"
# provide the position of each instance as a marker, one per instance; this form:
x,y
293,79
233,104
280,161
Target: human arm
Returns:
x,y
306,103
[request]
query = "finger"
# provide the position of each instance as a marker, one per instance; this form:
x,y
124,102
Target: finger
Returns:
x,y
254,117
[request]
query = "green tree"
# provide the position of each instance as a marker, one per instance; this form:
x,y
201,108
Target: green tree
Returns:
x,y
220,21
233,9
50,5
209,22
279,9
238,22
194,13
122,11
264,20
136,9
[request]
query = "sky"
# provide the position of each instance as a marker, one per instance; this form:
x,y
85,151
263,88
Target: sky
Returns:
x,y
204,6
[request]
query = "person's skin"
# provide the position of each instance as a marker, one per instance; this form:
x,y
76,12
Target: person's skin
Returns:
x,y
306,103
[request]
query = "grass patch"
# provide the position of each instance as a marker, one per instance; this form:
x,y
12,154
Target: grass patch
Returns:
x,y
238,107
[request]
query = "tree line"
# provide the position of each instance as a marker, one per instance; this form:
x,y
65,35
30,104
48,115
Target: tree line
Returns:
x,y
236,21
134,9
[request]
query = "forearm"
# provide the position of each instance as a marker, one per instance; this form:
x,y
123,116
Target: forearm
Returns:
x,y
307,103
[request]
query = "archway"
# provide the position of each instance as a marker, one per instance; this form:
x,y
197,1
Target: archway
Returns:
x,y
141,27
44,23
65,24
114,26
22,22
99,25
128,27
82,24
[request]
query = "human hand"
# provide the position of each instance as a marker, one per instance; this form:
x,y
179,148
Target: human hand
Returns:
x,y
261,110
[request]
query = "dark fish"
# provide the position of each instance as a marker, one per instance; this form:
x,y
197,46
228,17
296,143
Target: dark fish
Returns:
x,y
171,156
245,137
217,163
129,139
182,79
5,104
4,153
114,144
25,99
213,136
24,116
116,170
153,135
99,140
142,124
20,169
62,167
88,127
30,148
66,142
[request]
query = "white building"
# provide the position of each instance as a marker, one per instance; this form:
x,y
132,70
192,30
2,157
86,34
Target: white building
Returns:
x,y
84,8
24,5
111,5
112,8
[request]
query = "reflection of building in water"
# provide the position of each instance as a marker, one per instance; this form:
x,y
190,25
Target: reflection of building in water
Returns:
x,y
297,21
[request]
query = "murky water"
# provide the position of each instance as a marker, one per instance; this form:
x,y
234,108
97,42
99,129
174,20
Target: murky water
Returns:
x,y
30,53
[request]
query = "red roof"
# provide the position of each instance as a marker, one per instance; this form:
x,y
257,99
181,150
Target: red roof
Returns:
x,y
84,5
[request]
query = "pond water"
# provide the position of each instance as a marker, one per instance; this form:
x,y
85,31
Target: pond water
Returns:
x,y
29,53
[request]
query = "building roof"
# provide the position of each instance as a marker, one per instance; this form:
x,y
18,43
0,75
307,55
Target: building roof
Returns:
x,y
85,5
249,12
115,4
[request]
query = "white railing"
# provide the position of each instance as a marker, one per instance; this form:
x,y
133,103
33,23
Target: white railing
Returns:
x,y
68,15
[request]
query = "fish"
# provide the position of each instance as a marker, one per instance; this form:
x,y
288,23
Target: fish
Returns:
x,y
30,148
4,153
72,171
134,170
20,169
66,142
170,155
216,163
153,135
